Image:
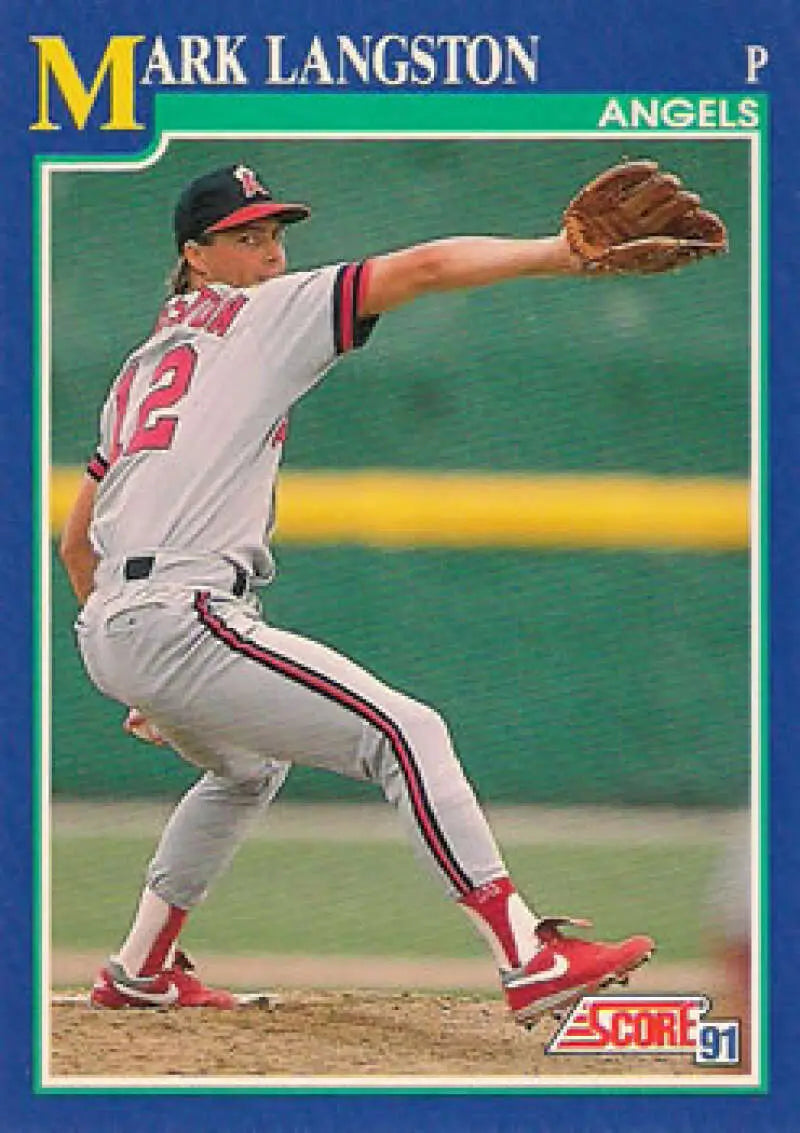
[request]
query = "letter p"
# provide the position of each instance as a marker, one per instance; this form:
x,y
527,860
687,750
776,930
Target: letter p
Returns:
x,y
757,57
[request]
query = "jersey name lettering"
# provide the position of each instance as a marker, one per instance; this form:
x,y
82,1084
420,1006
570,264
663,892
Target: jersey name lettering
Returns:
x,y
208,311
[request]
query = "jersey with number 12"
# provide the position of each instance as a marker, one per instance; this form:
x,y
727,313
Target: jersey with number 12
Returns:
x,y
192,430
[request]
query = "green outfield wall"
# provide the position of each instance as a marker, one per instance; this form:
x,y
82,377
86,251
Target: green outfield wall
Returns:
x,y
574,675
644,375
592,677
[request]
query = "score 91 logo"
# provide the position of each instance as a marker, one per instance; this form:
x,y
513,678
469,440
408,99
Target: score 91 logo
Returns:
x,y
648,1024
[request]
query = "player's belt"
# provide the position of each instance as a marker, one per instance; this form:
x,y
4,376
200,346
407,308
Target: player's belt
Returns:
x,y
141,566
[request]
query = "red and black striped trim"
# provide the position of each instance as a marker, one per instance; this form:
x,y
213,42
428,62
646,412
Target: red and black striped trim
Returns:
x,y
350,330
353,702
97,466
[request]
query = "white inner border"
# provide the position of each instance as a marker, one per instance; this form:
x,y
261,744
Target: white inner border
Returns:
x,y
682,1082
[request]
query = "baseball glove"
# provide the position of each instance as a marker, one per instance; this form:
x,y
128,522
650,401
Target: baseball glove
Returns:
x,y
636,218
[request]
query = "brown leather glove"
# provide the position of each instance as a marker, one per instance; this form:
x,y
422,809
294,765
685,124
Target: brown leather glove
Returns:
x,y
636,218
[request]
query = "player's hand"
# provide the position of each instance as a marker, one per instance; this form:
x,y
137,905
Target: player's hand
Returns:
x,y
136,724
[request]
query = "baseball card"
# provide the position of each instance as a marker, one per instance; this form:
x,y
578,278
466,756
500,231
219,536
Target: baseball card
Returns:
x,y
401,703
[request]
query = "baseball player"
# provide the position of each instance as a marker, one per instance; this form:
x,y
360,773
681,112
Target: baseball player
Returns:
x,y
168,544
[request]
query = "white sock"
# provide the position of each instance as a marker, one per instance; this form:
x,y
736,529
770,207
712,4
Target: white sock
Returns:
x,y
150,920
504,921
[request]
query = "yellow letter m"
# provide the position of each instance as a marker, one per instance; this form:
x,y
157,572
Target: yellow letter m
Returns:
x,y
117,63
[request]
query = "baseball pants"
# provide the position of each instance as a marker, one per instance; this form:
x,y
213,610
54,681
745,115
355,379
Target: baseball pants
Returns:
x,y
244,701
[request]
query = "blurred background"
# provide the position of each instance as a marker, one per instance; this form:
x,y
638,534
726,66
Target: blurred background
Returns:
x,y
595,674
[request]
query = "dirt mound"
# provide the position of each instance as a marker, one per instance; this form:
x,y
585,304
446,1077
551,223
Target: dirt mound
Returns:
x,y
330,1035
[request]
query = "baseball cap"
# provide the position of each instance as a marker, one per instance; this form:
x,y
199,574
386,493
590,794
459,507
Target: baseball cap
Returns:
x,y
226,198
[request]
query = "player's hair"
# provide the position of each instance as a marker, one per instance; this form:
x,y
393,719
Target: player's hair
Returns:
x,y
179,279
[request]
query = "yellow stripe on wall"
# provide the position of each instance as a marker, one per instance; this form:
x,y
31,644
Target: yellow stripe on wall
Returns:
x,y
390,508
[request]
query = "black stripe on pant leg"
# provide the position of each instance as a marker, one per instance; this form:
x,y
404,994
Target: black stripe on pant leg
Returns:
x,y
353,702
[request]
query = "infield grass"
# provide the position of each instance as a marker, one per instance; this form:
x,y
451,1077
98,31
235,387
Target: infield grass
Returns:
x,y
373,898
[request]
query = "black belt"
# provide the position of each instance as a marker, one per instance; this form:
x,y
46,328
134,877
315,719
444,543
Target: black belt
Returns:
x,y
141,566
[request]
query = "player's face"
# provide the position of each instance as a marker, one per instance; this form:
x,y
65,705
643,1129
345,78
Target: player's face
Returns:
x,y
241,256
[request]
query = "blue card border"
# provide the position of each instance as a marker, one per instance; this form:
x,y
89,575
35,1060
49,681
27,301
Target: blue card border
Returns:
x,y
697,54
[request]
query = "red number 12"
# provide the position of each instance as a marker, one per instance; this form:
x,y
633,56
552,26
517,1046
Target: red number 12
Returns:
x,y
153,432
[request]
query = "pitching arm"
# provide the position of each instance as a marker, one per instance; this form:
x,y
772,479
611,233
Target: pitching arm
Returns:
x,y
79,559
75,550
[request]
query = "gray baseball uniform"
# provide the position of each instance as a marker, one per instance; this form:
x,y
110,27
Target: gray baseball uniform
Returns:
x,y
191,438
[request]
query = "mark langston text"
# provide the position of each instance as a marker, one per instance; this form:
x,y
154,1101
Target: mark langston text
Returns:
x,y
393,59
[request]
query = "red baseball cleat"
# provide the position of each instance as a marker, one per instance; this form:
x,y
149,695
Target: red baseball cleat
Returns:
x,y
177,986
566,968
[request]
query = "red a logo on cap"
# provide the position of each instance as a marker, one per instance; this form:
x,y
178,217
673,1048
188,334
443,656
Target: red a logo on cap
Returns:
x,y
251,186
